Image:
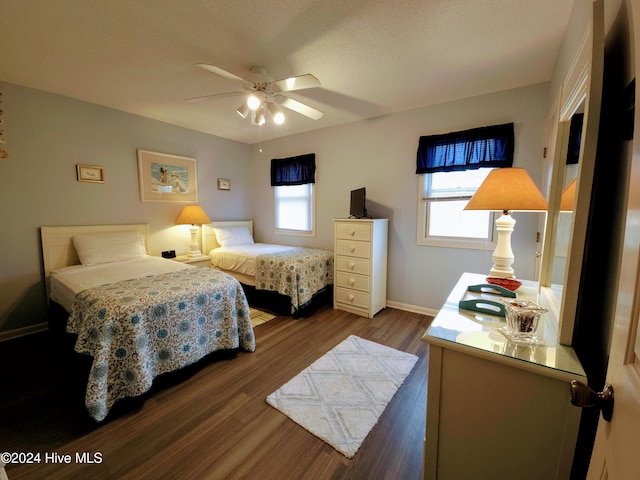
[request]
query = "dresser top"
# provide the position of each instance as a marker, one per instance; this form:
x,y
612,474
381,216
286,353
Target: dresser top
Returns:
x,y
360,219
478,334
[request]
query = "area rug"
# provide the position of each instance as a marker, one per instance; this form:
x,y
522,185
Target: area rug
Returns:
x,y
258,317
340,397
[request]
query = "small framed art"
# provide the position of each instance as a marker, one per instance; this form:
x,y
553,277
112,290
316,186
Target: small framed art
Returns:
x,y
224,184
90,173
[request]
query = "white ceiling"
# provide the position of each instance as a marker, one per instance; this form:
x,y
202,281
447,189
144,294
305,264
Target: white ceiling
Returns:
x,y
372,57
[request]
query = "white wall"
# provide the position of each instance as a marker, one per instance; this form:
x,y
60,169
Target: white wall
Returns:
x,y
380,154
47,135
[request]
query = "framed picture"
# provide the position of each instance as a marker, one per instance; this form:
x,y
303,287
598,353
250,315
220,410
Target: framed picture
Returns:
x,y
224,184
89,173
167,178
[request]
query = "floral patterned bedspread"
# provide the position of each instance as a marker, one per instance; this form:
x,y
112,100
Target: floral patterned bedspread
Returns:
x,y
298,273
138,329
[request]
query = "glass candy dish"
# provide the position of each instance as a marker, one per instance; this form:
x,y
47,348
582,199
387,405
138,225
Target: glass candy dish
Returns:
x,y
522,318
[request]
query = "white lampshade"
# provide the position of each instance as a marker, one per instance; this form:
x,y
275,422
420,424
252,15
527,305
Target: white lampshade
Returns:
x,y
260,117
278,116
243,110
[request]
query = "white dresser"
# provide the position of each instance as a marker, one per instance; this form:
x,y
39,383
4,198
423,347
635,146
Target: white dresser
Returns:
x,y
497,409
360,276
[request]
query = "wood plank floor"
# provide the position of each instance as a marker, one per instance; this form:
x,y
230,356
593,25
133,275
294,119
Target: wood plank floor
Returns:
x,y
212,421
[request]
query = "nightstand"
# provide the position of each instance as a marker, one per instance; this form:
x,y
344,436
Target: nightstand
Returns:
x,y
203,261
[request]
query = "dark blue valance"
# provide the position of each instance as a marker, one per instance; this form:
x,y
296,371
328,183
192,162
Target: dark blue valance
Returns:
x,y
298,170
575,138
466,150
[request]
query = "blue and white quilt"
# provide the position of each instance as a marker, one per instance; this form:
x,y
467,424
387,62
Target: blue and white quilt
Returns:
x,y
138,329
297,272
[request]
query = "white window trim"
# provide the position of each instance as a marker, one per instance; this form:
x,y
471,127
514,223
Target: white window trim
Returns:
x,y
298,233
449,242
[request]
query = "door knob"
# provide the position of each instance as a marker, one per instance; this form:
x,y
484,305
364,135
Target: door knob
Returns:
x,y
582,396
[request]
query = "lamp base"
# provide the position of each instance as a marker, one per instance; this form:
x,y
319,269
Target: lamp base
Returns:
x,y
503,255
194,248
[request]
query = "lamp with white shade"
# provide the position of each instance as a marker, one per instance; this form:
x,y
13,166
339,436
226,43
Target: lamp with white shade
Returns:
x,y
506,190
193,215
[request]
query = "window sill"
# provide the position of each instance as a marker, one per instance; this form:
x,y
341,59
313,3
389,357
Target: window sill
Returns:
x,y
448,242
295,233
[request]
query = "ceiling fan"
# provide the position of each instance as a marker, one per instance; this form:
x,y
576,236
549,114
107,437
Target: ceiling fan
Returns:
x,y
264,94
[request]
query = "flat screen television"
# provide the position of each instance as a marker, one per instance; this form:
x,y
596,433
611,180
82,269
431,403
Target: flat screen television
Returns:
x,y
358,206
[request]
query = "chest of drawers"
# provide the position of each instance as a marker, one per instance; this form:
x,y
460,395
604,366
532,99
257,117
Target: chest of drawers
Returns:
x,y
360,276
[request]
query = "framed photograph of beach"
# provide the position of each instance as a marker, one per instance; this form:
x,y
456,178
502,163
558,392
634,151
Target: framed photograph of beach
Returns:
x,y
167,178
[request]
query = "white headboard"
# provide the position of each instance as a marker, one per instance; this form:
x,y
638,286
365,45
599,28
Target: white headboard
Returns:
x,y
209,241
57,243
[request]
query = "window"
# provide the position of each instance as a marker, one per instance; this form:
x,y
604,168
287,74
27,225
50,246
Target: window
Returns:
x,y
443,196
293,180
451,167
294,208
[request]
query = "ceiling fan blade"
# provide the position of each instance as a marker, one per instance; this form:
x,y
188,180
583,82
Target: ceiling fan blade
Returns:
x,y
299,107
296,83
221,72
214,96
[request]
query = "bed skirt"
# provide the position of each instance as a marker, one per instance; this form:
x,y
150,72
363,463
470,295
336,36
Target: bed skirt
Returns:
x,y
279,304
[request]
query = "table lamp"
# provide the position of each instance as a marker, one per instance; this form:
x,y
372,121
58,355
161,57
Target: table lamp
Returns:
x,y
193,215
506,190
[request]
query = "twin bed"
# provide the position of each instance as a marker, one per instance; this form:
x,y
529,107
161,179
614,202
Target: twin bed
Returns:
x,y
139,316
281,278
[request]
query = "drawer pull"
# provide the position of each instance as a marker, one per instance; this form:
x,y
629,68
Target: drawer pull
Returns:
x,y
352,248
351,297
352,232
352,265
351,281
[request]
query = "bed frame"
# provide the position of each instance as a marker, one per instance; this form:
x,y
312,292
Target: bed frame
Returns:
x,y
57,244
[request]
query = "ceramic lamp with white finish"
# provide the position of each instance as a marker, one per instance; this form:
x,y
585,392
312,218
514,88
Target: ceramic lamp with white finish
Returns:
x,y
506,190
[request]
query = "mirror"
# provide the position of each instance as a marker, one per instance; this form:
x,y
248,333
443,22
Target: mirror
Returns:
x,y
560,245
565,231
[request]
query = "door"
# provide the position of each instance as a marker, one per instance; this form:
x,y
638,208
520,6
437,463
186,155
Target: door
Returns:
x,y
615,453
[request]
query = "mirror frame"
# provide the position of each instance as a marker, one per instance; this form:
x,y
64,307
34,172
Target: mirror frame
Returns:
x,y
583,83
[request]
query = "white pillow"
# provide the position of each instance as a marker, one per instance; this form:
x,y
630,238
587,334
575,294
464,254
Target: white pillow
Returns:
x,y
230,237
95,248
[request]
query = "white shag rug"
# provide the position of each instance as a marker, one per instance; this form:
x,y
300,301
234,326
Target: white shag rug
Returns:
x,y
340,397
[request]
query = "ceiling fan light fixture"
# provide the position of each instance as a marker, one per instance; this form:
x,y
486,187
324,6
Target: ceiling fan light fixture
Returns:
x,y
243,110
253,102
260,118
278,116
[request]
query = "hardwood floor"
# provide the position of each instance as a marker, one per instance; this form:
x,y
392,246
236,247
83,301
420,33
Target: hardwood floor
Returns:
x,y
212,421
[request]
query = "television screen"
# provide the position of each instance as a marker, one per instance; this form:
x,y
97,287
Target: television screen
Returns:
x,y
358,207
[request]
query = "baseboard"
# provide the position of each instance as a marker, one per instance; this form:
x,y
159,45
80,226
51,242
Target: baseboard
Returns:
x,y
412,308
21,332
